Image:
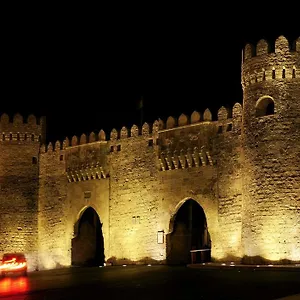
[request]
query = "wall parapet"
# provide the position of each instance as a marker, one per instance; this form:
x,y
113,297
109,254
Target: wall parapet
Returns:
x,y
225,115
147,131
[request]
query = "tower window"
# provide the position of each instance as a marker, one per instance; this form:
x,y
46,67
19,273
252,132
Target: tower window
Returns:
x,y
229,127
265,106
150,143
34,160
294,73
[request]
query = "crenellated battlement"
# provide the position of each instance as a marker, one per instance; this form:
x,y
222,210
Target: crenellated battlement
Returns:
x,y
20,130
226,118
57,147
266,62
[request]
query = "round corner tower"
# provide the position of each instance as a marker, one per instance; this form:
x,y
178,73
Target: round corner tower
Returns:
x,y
271,152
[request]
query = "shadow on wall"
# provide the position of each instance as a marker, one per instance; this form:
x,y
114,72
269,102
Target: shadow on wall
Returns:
x,y
259,260
228,258
253,260
114,261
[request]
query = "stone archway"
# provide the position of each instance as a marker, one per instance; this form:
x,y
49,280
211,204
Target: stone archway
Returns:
x,y
188,231
88,244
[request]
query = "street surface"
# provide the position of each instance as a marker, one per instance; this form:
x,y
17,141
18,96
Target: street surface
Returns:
x,y
151,282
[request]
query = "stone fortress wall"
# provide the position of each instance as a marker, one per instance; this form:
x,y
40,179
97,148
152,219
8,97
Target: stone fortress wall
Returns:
x,y
243,170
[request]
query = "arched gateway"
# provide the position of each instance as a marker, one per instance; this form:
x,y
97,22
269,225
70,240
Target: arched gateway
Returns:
x,y
188,231
88,245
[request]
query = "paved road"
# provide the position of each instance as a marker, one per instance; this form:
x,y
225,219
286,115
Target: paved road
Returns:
x,y
151,282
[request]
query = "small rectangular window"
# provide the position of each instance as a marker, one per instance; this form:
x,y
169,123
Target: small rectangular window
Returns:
x,y
87,194
34,160
160,237
229,127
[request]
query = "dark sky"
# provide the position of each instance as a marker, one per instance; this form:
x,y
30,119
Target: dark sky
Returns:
x,y
86,71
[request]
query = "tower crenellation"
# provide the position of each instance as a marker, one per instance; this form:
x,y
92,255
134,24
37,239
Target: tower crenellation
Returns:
x,y
19,129
260,63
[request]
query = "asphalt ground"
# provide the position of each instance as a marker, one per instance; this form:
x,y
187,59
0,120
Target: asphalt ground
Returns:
x,y
155,282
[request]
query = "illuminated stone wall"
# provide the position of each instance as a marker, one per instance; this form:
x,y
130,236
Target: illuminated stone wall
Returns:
x,y
88,185
241,167
154,172
54,233
71,181
271,143
227,153
19,182
133,200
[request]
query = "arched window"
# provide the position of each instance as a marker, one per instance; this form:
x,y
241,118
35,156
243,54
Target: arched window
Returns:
x,y
264,106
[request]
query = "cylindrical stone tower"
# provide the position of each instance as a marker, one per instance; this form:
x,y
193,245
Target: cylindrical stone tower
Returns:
x,y
271,152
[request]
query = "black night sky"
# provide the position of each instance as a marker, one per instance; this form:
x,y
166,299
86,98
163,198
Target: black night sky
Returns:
x,y
87,69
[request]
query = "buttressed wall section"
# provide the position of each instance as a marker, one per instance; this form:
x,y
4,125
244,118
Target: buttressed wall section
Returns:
x,y
123,199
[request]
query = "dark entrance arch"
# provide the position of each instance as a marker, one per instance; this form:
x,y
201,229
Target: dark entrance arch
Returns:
x,y
188,231
88,245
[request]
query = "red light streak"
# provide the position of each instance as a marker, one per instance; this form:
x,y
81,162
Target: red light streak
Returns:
x,y
14,285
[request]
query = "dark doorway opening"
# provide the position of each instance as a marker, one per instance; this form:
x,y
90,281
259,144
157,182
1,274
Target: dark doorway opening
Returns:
x,y
88,244
188,232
